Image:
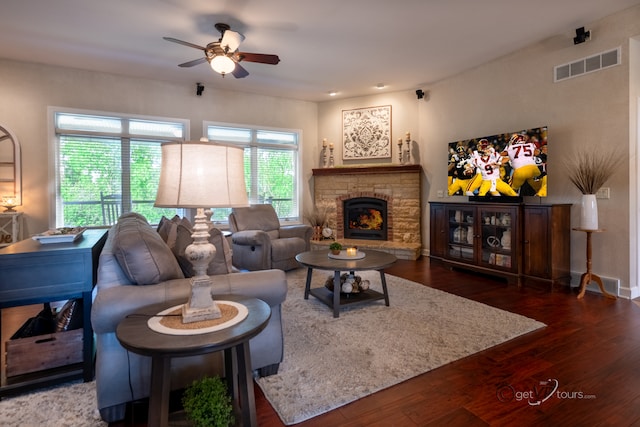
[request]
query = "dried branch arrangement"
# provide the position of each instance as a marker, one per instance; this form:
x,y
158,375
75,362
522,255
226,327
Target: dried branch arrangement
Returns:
x,y
588,171
317,217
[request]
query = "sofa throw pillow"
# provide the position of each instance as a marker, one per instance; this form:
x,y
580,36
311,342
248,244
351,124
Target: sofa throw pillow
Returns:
x,y
221,263
167,229
142,254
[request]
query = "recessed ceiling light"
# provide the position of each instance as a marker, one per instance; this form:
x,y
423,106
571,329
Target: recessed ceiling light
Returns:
x,y
333,93
380,86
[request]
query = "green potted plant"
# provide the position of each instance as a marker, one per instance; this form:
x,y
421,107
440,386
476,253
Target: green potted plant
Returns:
x,y
206,402
335,248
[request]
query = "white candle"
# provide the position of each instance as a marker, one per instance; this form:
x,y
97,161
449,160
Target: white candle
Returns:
x,y
408,136
324,142
331,145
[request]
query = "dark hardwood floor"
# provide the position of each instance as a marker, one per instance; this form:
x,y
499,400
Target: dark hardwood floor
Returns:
x,y
591,347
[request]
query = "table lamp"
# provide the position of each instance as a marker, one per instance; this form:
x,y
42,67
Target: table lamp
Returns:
x,y
9,202
201,175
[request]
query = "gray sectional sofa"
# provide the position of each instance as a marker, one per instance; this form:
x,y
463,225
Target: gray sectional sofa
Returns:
x,y
140,266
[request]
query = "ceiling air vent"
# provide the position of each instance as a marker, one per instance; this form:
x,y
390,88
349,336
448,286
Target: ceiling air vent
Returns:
x,y
596,62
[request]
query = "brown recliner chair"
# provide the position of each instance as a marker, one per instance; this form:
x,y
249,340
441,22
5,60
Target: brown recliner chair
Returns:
x,y
259,242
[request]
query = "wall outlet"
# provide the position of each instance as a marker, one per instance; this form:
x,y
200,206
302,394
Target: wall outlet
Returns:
x,y
440,193
603,193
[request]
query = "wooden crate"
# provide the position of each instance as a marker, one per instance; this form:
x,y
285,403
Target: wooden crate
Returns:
x,y
26,355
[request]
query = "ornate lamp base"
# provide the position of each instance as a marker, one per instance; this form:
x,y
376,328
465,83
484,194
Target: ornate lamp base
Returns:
x,y
200,305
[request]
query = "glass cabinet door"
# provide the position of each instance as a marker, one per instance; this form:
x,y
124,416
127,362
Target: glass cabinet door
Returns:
x,y
497,228
460,222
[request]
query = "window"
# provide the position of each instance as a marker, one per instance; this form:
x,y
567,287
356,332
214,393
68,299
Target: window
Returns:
x,y
107,165
271,166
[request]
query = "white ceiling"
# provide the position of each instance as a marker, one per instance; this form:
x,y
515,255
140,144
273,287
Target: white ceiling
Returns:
x,y
348,46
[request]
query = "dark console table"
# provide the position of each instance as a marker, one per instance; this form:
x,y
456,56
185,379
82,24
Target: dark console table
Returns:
x,y
33,273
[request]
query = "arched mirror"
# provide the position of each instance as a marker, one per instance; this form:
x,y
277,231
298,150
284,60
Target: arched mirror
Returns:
x,y
10,173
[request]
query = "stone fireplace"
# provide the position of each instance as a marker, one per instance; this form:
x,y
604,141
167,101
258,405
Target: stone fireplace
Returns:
x,y
375,207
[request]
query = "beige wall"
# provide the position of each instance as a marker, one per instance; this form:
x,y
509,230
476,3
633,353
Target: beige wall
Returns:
x,y
515,92
28,89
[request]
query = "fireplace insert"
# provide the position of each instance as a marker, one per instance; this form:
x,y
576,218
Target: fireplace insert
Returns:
x,y
365,218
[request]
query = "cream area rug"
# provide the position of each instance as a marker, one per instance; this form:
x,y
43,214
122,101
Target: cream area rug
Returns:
x,y
330,362
69,405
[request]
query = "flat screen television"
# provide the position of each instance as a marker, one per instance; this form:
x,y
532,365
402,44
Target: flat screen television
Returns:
x,y
502,167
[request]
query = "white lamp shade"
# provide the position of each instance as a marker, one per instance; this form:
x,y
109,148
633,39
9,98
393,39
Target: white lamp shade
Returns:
x,y
222,64
201,175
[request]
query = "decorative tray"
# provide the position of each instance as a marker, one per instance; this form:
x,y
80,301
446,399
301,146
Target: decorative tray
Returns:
x,y
343,255
60,235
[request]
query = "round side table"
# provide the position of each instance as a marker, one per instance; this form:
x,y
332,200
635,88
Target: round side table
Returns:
x,y
135,335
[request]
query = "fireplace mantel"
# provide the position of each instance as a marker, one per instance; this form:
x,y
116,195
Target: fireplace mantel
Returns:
x,y
367,170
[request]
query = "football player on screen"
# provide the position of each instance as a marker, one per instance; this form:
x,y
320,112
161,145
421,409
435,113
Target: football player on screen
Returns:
x,y
522,155
489,163
461,169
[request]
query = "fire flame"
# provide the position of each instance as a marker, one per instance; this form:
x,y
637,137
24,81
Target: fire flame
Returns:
x,y
371,221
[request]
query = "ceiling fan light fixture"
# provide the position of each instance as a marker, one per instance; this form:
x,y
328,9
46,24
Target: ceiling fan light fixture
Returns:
x,y
231,41
222,64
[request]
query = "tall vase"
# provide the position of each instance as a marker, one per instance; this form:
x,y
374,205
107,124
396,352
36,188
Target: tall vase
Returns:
x,y
589,212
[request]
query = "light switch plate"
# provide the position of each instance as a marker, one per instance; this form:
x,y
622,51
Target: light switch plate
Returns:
x,y
603,193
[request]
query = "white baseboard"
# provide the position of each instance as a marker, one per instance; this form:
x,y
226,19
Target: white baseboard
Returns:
x,y
611,285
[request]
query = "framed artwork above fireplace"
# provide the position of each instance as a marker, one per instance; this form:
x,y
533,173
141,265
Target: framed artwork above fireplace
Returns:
x,y
366,133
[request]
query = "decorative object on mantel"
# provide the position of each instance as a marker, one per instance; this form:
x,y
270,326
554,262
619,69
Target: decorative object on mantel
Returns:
x,y
588,171
406,155
324,152
366,133
331,160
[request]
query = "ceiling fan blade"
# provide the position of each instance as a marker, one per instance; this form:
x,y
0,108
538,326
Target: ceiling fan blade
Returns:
x,y
257,57
194,62
195,46
239,72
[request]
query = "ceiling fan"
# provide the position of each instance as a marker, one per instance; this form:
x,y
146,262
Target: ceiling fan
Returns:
x,y
223,55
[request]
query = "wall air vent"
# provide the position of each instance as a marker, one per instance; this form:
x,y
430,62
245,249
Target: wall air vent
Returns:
x,y
592,63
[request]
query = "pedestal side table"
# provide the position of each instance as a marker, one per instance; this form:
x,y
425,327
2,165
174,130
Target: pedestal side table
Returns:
x,y
589,276
135,335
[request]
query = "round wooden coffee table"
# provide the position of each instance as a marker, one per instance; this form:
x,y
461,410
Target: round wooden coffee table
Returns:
x,y
373,260
135,335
